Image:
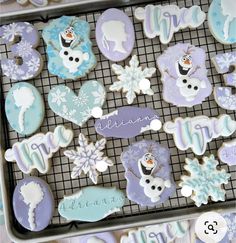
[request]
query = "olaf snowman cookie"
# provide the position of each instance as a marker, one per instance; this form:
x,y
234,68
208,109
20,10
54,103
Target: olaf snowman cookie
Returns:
x,y
184,75
222,20
69,48
147,172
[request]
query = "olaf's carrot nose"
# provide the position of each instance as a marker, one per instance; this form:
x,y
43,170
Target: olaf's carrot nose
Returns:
x,y
150,162
187,61
69,35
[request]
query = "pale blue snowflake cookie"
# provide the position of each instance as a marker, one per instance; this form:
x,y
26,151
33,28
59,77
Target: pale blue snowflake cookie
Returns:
x,y
23,102
204,180
222,20
132,79
69,48
89,158
78,108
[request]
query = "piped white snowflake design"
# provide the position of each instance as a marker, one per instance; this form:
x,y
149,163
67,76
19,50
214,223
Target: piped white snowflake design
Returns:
x,y
24,49
204,180
99,95
11,30
33,64
228,101
58,97
12,69
88,158
224,61
231,224
80,100
130,78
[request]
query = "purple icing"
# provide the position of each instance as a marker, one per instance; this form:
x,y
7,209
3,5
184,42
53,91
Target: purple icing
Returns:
x,y
227,153
132,158
115,35
42,212
106,237
126,122
184,75
31,59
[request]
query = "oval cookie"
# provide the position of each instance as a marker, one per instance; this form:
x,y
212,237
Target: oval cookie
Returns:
x,y
147,171
222,20
33,203
115,34
24,102
69,48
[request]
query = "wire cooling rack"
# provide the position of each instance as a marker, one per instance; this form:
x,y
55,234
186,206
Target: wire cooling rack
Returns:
x,y
147,51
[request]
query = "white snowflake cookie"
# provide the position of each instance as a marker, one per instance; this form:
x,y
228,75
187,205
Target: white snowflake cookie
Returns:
x,y
88,158
132,79
204,180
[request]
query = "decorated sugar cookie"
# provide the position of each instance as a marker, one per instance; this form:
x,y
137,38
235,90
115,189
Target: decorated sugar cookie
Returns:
x,y
227,152
197,132
184,75
164,21
78,108
33,203
222,20
69,48
147,172
132,79
204,181
27,62
106,237
128,122
224,96
88,158
37,3
91,204
23,102
35,152
115,34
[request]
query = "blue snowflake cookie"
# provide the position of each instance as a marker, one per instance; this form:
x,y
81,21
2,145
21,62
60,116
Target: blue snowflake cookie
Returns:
x,y
204,181
69,48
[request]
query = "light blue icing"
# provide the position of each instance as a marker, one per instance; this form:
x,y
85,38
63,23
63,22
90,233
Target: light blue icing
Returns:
x,y
77,109
217,21
32,109
91,204
82,44
1,209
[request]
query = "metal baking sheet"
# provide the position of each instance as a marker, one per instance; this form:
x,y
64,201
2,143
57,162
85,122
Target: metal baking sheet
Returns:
x,y
177,207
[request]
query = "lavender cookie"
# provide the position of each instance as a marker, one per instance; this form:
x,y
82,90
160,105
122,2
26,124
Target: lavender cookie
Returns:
x,y
128,122
147,172
33,203
98,238
115,35
184,75
227,152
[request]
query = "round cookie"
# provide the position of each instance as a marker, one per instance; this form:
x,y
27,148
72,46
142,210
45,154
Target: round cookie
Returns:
x,y
184,75
33,203
147,171
24,102
222,20
69,48
115,35
27,62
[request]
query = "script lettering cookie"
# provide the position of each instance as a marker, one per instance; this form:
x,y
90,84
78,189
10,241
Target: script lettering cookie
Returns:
x,y
89,158
115,34
132,79
204,180
78,108
164,21
227,152
128,122
27,62
222,20
197,132
33,203
224,96
184,75
91,204
35,152
23,102
147,172
69,48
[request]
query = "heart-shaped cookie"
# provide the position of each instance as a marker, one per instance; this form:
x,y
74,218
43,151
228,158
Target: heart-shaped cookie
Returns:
x,y
78,109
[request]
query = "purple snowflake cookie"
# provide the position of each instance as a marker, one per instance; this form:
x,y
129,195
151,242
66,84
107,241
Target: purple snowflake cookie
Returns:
x,y
33,203
184,75
147,172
